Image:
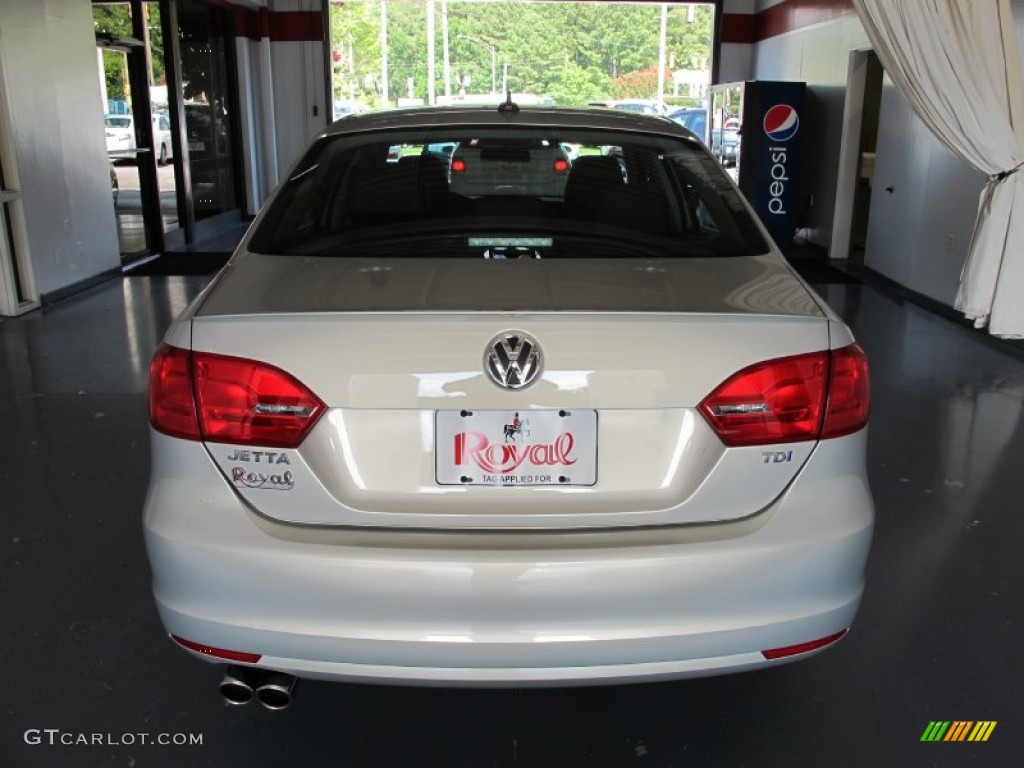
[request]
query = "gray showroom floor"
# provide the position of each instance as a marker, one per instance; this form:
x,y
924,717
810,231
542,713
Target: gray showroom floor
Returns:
x,y
939,635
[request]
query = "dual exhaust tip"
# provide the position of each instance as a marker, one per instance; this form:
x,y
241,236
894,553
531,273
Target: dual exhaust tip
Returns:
x,y
274,690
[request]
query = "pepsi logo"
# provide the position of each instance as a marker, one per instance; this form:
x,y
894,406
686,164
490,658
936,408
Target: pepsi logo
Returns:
x,y
781,122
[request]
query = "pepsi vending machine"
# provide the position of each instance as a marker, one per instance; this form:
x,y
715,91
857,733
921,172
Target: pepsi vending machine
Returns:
x,y
755,131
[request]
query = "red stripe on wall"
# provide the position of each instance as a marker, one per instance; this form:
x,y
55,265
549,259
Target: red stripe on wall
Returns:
x,y
739,28
279,26
791,15
246,23
296,26
787,16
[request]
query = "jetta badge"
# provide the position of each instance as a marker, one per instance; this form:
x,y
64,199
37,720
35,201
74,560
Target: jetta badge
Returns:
x,y
513,359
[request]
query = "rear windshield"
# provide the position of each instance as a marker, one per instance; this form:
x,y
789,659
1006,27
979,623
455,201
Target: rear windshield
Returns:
x,y
502,193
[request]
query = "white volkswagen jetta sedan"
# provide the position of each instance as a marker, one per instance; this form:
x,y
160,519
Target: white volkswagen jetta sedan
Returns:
x,y
590,431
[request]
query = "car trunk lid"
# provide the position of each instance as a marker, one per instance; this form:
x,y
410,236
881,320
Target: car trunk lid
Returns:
x,y
396,349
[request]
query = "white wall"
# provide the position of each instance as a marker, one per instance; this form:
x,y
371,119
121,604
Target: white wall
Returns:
x,y
281,85
919,232
52,94
735,60
300,89
818,56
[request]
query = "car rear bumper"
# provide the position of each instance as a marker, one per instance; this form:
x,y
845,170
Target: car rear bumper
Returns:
x,y
516,609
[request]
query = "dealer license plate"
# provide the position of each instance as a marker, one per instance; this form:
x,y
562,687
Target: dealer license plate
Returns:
x,y
516,448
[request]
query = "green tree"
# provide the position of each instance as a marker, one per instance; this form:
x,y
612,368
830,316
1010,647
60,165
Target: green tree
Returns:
x,y
113,22
570,51
355,55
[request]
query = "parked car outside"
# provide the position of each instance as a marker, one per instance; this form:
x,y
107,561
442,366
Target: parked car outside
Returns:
x,y
422,432
694,119
120,134
725,142
346,107
642,106
115,185
726,148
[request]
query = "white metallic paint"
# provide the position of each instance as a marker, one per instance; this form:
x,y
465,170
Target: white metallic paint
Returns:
x,y
655,467
686,559
476,608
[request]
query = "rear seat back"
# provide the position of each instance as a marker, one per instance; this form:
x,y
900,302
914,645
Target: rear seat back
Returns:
x,y
591,178
380,193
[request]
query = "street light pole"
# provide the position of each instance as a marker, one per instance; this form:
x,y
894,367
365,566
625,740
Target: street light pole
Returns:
x,y
494,60
661,55
385,97
431,85
444,43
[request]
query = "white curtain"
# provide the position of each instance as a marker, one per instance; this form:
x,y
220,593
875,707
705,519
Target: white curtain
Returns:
x,y
958,64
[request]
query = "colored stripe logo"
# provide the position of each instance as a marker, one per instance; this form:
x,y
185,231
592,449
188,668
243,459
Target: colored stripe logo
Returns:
x,y
958,730
781,122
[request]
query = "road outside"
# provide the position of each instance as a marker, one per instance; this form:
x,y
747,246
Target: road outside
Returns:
x,y
130,229
129,199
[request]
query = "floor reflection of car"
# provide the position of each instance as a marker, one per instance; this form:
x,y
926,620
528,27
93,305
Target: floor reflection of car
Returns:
x,y
120,134
469,429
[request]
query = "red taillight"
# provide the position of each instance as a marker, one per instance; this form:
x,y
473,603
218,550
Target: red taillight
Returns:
x,y
849,392
220,653
778,401
561,166
791,399
793,650
250,403
220,399
172,405
458,165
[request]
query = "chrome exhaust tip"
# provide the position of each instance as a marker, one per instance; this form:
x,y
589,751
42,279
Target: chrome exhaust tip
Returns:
x,y
236,687
275,690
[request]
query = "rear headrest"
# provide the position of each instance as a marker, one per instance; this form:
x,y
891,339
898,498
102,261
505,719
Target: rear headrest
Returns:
x,y
638,206
382,192
431,179
599,170
590,177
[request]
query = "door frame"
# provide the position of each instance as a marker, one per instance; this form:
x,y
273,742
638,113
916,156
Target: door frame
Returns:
x,y
18,291
849,153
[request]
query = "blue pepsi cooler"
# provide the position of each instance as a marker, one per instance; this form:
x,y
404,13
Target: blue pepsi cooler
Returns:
x,y
767,155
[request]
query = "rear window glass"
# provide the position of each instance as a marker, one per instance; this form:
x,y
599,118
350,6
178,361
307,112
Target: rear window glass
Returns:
x,y
465,191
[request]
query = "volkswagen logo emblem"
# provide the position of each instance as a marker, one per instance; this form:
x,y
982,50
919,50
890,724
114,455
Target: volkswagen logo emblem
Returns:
x,y
513,359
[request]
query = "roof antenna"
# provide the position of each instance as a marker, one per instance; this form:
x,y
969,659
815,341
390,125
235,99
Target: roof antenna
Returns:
x,y
508,105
